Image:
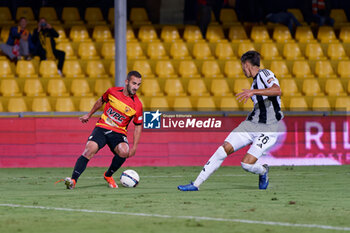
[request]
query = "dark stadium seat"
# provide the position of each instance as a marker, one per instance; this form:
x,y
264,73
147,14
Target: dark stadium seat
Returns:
x,y
96,69
206,104
57,87
173,87
144,67
26,69
170,34
165,69
188,69
147,33
48,69
5,69
220,87
150,87
33,87
93,16
228,104
311,87
320,104
71,16
202,51
197,87
101,33
298,104
179,50
333,87
224,51
80,87
10,87
49,13
64,104
280,69
211,69
324,69
182,104
17,104
86,103
138,16
101,85
160,103
289,87
41,104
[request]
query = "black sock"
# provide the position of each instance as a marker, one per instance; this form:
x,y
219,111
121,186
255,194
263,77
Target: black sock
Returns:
x,y
117,162
79,167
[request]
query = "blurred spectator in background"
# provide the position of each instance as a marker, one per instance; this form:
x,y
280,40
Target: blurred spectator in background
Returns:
x,y
285,18
18,42
45,45
250,10
205,7
318,11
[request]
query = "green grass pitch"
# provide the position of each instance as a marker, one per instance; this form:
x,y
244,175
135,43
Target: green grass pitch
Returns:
x,y
299,199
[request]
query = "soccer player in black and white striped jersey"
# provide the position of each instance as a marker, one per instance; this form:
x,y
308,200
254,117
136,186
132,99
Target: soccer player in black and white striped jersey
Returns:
x,y
260,129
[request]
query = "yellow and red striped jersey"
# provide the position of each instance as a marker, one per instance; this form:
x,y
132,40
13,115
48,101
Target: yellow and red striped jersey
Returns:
x,y
119,110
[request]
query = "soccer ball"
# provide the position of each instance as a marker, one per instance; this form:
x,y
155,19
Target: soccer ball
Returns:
x,y
129,178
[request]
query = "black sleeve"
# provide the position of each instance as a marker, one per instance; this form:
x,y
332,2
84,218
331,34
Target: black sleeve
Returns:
x,y
53,33
35,36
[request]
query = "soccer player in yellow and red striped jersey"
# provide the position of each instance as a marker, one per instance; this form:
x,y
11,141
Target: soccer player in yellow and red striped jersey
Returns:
x,y
121,107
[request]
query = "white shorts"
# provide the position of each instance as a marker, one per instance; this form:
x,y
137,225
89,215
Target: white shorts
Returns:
x,y
260,136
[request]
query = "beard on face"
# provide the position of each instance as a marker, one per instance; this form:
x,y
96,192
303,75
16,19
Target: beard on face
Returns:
x,y
130,90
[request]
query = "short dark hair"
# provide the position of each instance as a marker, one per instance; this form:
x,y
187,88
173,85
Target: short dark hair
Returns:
x,y
133,73
253,57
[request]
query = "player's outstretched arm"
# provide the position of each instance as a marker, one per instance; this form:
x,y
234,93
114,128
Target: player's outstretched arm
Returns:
x,y
275,90
137,135
97,106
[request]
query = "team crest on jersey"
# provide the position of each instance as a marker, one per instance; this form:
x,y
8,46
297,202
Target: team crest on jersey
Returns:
x,y
127,109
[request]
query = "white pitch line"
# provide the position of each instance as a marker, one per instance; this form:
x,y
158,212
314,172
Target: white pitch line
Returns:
x,y
162,176
101,177
197,218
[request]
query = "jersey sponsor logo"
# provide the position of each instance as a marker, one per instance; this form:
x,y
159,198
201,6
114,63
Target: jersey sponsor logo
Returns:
x,y
121,106
116,116
152,120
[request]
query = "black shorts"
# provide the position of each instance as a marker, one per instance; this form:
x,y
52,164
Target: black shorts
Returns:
x,y
104,136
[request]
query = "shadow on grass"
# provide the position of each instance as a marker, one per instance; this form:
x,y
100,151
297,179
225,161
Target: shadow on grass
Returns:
x,y
233,187
92,186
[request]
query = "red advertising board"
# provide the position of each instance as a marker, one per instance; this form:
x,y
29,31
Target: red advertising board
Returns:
x,y
57,142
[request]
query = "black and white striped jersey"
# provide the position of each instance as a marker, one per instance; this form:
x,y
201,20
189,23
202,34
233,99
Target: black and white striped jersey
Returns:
x,y
267,109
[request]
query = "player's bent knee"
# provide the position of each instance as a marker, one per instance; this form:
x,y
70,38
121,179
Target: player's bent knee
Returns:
x,y
124,154
122,150
91,149
88,154
228,148
247,167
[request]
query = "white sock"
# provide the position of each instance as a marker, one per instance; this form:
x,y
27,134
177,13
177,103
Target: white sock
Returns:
x,y
211,166
254,168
